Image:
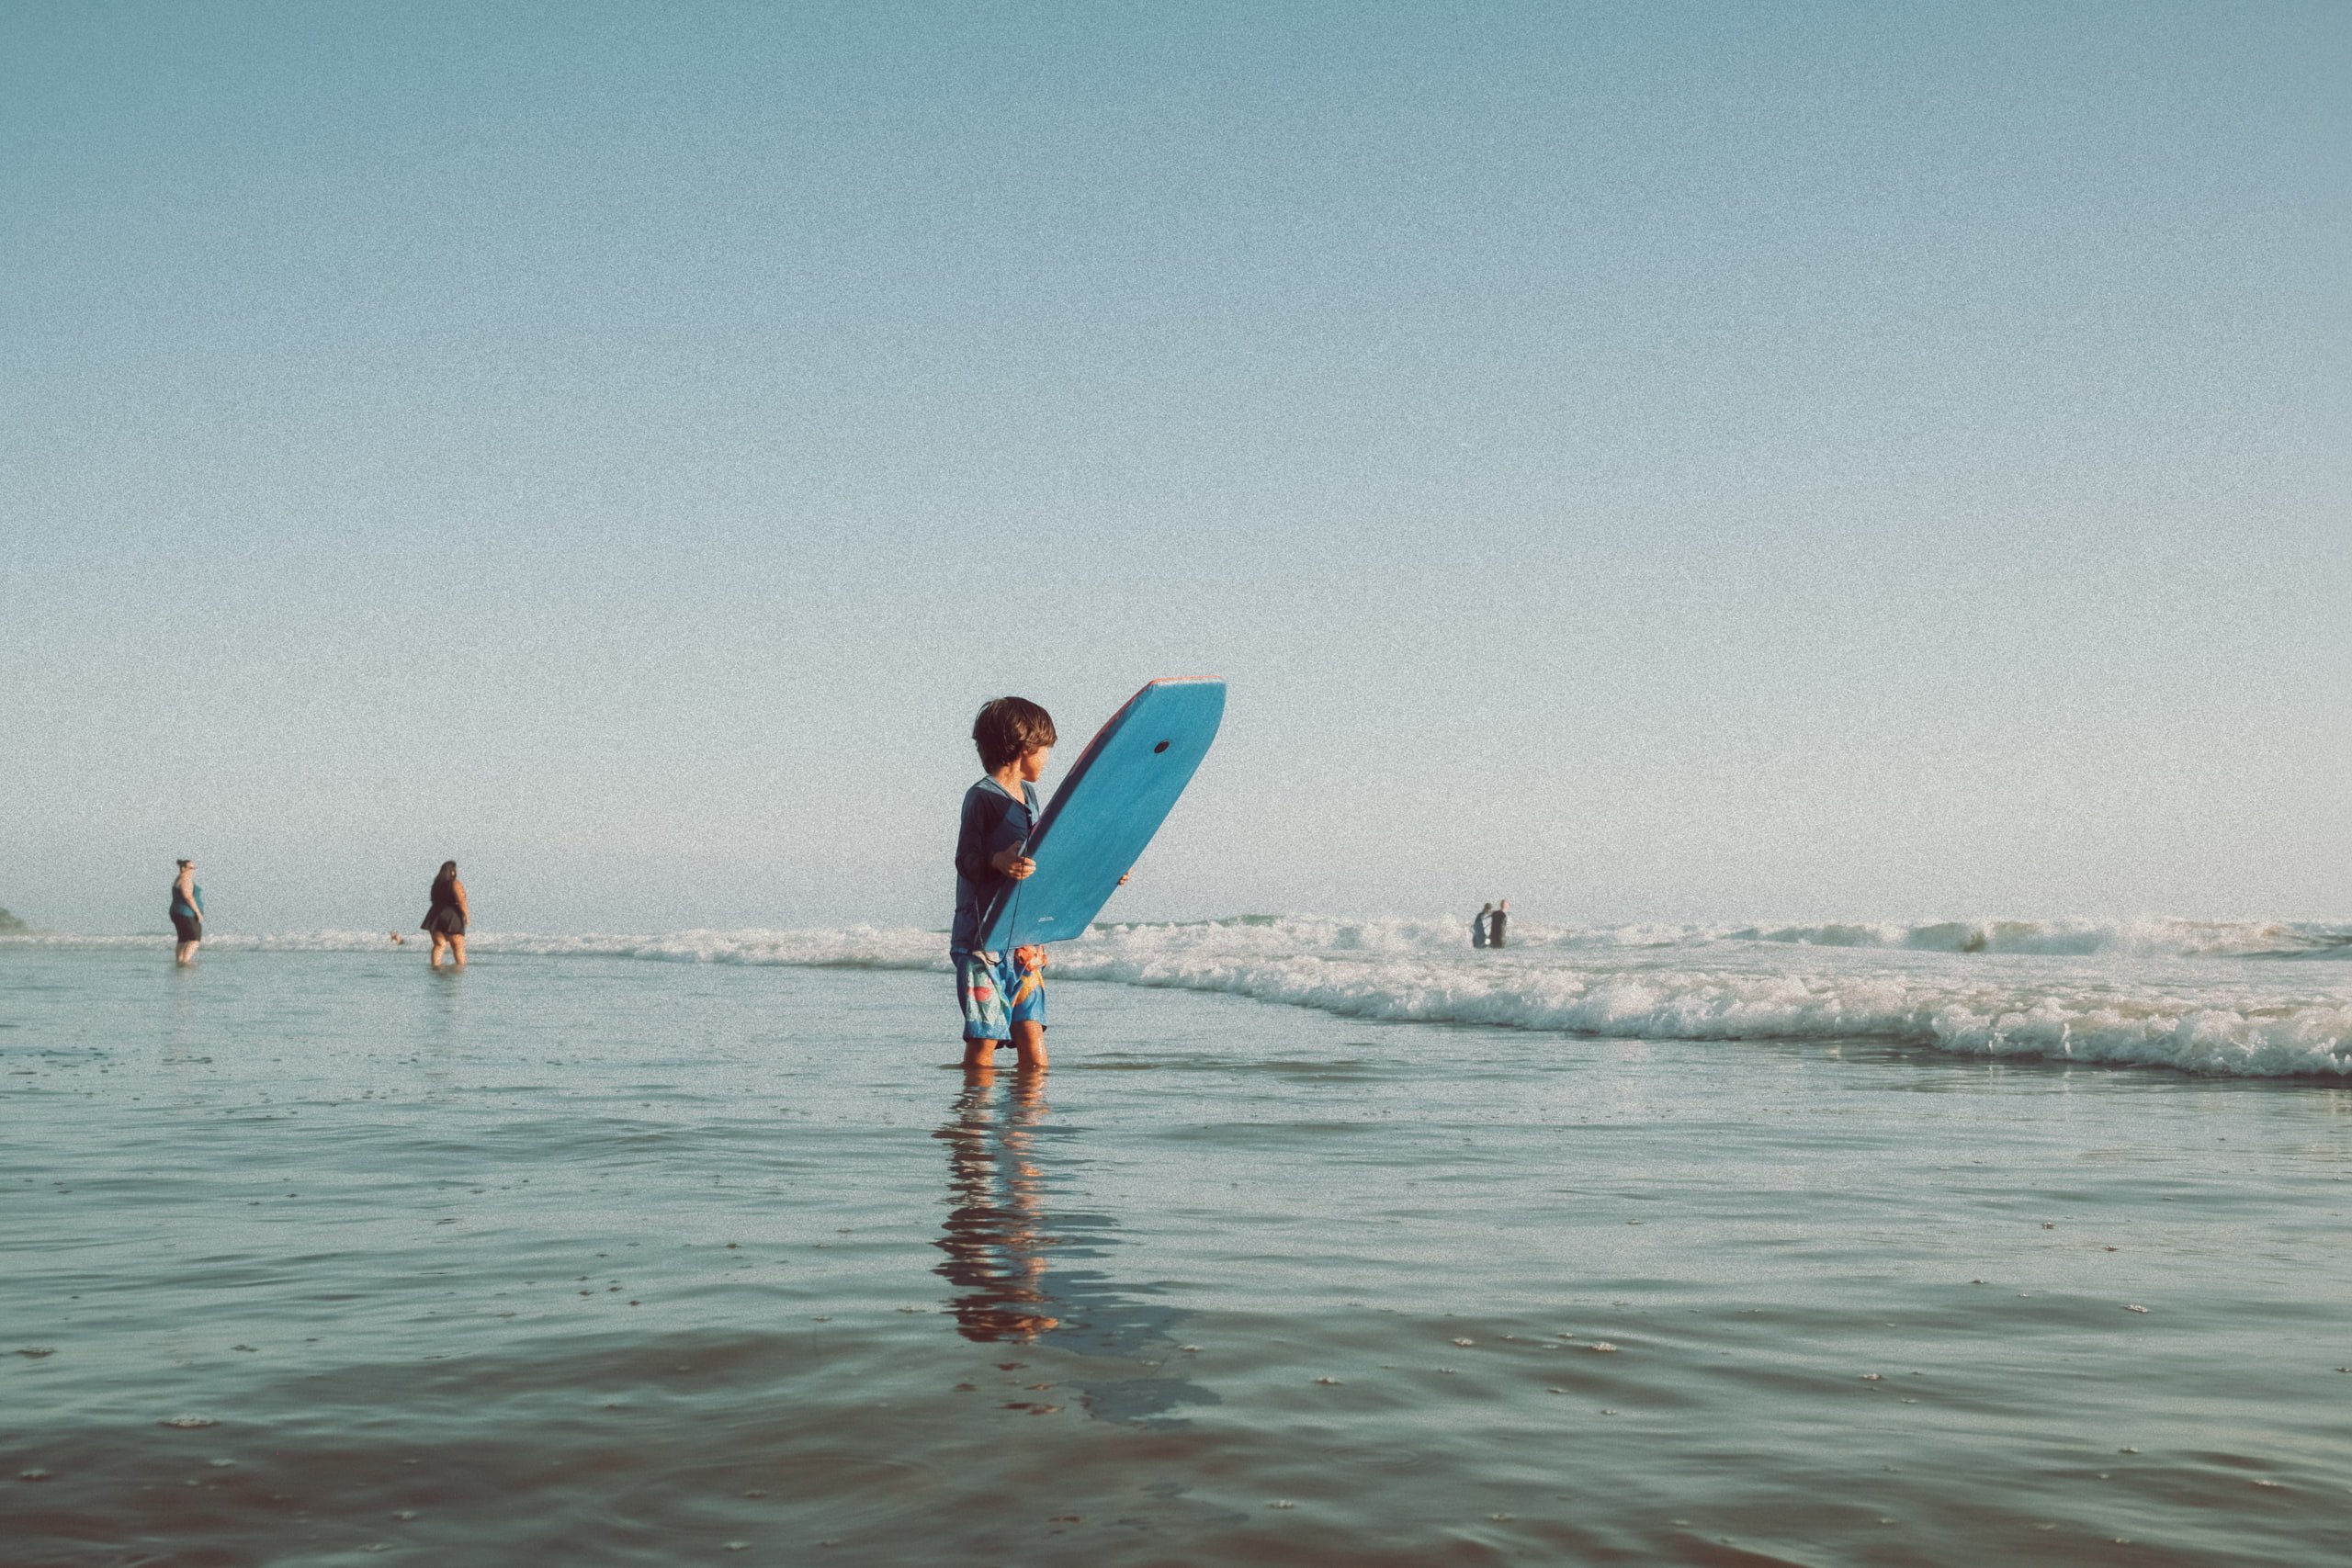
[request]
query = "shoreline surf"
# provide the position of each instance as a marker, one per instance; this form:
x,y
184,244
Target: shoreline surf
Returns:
x,y
2211,999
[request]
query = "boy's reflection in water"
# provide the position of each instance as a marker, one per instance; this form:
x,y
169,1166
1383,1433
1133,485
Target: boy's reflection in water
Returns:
x,y
996,1241
1011,1262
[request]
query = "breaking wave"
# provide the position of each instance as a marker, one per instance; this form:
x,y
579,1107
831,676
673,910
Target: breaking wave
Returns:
x,y
2199,997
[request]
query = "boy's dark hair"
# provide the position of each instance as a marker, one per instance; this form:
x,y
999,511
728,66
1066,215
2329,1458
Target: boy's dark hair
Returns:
x,y
1009,729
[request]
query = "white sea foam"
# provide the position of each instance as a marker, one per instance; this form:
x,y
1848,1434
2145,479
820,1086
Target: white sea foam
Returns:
x,y
2136,997
2200,997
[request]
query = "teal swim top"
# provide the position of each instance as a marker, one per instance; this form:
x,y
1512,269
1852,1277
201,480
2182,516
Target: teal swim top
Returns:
x,y
993,822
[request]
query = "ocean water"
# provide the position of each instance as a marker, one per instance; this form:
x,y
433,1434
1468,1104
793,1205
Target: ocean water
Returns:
x,y
1324,1240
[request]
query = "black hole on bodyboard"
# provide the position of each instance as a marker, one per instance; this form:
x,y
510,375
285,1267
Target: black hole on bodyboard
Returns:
x,y
1159,749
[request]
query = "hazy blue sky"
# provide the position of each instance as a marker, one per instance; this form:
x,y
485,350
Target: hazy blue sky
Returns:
x,y
1647,460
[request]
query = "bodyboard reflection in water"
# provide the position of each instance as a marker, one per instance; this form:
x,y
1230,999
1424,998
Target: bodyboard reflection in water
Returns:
x,y
1011,1261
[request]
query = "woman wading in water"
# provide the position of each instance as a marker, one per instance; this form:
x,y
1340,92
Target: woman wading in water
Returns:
x,y
187,913
447,918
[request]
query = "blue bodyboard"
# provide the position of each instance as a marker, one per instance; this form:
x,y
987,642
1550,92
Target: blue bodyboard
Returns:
x,y
1106,810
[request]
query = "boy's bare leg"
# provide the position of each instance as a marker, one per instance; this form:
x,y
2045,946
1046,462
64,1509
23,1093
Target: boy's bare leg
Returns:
x,y
1029,1039
980,1056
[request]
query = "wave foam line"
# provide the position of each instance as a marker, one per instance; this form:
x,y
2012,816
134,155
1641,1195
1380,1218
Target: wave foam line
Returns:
x,y
1418,972
1602,982
2216,1037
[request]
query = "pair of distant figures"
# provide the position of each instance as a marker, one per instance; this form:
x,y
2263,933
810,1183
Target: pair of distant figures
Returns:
x,y
1487,931
446,918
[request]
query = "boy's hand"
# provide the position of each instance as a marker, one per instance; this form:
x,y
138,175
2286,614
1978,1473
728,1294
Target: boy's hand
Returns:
x,y
1014,863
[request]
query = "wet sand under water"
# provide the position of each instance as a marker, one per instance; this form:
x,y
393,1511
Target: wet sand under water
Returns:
x,y
613,1261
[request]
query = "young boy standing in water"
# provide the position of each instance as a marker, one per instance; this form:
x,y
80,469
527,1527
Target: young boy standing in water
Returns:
x,y
1002,995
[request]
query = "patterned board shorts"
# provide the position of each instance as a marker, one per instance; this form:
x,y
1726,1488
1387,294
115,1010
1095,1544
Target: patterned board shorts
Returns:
x,y
999,991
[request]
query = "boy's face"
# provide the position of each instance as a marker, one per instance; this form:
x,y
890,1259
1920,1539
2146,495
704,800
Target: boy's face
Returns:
x,y
1033,764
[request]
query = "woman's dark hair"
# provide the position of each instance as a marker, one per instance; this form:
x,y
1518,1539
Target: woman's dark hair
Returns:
x,y
1009,729
449,872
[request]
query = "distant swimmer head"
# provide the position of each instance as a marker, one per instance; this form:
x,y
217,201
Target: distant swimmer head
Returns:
x,y
183,864
1010,728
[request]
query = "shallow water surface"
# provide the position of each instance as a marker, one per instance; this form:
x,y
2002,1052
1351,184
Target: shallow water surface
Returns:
x,y
317,1256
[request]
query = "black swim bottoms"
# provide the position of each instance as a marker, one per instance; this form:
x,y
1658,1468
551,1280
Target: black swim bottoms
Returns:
x,y
189,927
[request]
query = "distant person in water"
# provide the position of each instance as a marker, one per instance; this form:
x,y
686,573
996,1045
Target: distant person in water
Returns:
x,y
1479,926
446,921
1001,994
187,913
1496,921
